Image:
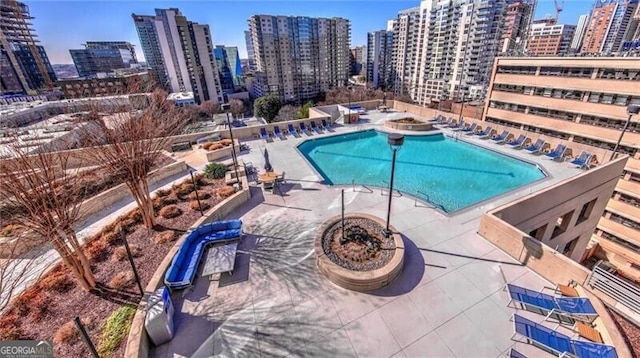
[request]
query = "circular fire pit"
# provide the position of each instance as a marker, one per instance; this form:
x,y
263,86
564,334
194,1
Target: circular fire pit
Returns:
x,y
408,123
365,259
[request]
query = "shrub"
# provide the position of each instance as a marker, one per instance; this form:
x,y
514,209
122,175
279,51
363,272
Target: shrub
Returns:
x,y
207,145
163,192
57,281
41,305
164,237
114,330
159,203
22,303
216,146
135,216
201,194
185,189
170,211
68,332
120,253
111,237
97,251
121,280
225,192
215,170
226,142
8,230
10,329
194,205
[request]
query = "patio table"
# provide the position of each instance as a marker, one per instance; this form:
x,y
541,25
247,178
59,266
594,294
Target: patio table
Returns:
x,y
220,259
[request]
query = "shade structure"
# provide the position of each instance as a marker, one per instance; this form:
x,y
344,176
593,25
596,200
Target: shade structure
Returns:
x,y
267,164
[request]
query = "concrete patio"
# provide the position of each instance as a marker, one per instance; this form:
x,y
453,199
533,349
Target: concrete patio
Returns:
x,y
448,302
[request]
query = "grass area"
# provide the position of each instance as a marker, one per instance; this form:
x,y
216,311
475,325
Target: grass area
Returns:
x,y
115,328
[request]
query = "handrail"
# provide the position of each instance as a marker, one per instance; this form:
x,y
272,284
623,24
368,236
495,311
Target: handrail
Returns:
x,y
382,189
353,186
428,200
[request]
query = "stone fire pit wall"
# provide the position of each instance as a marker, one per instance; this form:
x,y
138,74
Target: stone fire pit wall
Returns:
x,y
359,280
420,127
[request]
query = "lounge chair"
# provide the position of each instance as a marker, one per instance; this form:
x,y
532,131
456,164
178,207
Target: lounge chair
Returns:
x,y
263,134
518,142
558,343
588,332
515,354
325,126
535,147
564,290
292,130
583,160
437,118
276,131
564,309
315,128
557,153
446,123
501,138
304,129
486,133
458,125
470,129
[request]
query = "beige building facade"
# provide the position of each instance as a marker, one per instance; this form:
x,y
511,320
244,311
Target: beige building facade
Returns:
x,y
581,102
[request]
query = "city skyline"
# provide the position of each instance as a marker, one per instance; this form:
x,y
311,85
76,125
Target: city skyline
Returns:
x,y
111,21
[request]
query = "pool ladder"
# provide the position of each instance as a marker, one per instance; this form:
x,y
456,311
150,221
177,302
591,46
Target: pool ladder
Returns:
x,y
387,186
353,186
428,200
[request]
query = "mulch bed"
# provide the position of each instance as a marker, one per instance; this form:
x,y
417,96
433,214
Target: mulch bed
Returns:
x,y
630,332
61,307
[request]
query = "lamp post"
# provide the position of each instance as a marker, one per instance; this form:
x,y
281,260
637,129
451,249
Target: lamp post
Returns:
x,y
395,141
349,105
631,110
196,191
226,107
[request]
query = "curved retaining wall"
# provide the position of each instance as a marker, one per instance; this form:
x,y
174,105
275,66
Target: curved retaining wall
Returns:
x,y
422,126
359,280
138,340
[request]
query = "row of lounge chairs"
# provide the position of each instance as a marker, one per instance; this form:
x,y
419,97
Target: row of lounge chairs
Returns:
x,y
318,129
521,142
567,310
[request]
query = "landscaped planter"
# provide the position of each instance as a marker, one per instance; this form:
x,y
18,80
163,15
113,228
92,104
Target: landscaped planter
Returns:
x,y
213,155
410,124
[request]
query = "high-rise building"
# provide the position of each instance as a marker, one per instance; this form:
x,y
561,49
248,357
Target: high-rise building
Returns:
x,y
229,67
611,25
379,59
517,20
181,53
634,43
358,59
299,57
445,49
105,56
578,35
546,38
24,65
581,102
250,53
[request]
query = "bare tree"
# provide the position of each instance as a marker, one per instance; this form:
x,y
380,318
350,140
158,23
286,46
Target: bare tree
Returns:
x,y
130,143
42,191
288,113
210,108
237,107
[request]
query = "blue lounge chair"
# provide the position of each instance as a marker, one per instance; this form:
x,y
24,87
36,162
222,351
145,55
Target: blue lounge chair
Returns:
x,y
314,127
292,130
325,126
518,142
535,147
437,118
584,349
263,134
446,123
564,309
276,131
304,129
515,354
501,138
583,160
557,153
470,129
486,133
458,125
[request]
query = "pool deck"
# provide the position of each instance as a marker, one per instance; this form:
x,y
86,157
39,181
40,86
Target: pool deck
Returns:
x,y
448,301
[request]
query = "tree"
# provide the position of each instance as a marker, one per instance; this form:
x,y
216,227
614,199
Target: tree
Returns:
x,y
210,108
303,113
42,192
130,144
237,107
267,107
288,112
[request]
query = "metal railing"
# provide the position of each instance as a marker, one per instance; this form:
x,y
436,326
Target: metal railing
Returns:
x,y
382,187
425,197
353,186
623,291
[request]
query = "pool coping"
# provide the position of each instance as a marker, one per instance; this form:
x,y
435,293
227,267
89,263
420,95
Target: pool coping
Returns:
x,y
439,208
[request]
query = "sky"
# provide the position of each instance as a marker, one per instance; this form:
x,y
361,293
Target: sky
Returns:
x,y
64,25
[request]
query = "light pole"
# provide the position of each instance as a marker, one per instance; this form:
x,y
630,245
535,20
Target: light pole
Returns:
x,y
395,141
226,107
631,110
349,105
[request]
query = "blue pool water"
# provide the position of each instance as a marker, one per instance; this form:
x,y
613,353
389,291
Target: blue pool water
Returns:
x,y
449,173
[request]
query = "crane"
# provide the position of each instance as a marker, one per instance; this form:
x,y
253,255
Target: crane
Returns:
x,y
559,7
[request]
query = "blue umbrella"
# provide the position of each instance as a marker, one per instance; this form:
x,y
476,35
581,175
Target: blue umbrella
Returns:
x,y
267,164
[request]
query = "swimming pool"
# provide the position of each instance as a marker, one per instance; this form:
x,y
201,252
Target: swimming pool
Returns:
x,y
448,173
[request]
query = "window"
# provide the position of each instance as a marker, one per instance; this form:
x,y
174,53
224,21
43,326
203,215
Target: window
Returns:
x,y
568,248
561,224
538,233
585,212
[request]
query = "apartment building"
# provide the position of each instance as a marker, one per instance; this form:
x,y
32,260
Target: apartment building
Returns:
x,y
116,84
517,20
229,67
250,53
546,38
445,49
299,57
358,59
379,59
181,52
612,23
578,35
581,102
103,57
24,64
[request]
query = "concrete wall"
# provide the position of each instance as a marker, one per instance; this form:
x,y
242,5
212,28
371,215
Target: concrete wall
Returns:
x,y
509,226
138,341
